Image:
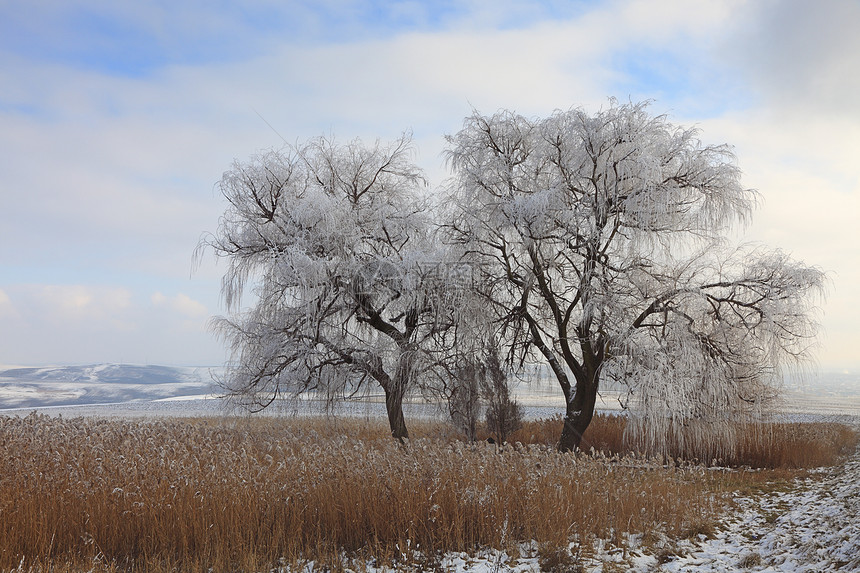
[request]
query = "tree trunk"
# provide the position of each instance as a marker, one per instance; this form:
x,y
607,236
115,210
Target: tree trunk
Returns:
x,y
394,407
397,390
578,415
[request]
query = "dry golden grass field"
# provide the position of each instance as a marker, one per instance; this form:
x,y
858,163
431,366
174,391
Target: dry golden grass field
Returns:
x,y
239,494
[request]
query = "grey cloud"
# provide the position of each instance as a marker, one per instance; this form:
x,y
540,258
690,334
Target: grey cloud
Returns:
x,y
797,53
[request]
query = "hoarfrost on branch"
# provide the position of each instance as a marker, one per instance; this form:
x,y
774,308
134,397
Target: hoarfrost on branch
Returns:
x,y
592,243
335,238
601,239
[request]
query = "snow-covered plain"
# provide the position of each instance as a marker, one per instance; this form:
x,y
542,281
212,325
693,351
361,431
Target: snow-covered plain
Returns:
x,y
814,526
138,390
75,386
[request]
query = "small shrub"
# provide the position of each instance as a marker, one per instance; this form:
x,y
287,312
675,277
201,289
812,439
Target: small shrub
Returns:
x,y
476,384
700,530
504,415
667,555
750,560
464,400
554,559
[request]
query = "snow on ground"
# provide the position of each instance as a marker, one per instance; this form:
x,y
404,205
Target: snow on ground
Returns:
x,y
23,387
813,527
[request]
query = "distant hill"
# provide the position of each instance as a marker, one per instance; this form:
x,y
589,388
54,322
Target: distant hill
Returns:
x,y
99,384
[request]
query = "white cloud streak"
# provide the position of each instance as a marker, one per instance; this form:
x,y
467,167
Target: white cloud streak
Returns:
x,y
104,172
181,304
84,324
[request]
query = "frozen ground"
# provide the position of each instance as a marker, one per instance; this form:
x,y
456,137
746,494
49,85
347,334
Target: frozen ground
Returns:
x,y
813,527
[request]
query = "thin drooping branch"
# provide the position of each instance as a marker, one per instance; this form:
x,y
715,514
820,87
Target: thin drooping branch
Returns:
x,y
330,236
600,238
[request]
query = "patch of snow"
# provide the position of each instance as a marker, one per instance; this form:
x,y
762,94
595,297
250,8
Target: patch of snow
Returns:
x,y
815,526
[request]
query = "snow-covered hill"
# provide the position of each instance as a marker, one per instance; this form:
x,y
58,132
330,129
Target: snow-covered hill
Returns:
x,y
98,384
135,390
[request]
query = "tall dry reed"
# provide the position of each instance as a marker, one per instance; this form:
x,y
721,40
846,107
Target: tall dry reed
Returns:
x,y
765,444
159,495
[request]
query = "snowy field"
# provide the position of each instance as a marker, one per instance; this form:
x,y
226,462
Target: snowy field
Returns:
x,y
82,386
815,526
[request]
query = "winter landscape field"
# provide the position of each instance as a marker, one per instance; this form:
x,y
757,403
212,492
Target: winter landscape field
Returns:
x,y
160,456
530,285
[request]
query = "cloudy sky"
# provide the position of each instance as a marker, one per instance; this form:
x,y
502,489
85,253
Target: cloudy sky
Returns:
x,y
117,119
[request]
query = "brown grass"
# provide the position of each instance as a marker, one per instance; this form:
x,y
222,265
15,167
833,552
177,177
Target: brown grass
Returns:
x,y
770,445
238,494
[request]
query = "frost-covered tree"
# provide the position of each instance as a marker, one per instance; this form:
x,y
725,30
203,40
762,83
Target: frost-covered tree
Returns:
x,y
333,242
601,239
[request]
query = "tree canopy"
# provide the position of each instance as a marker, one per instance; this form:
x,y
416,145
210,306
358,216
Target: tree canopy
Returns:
x,y
595,244
602,242
334,237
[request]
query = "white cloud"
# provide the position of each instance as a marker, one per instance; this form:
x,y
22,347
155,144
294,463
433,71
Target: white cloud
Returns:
x,y
6,309
94,306
181,304
104,173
